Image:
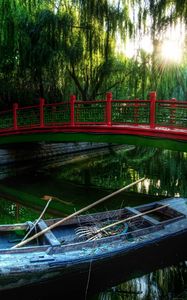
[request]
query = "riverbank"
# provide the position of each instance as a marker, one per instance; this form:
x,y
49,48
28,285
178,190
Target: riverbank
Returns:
x,y
10,154
16,159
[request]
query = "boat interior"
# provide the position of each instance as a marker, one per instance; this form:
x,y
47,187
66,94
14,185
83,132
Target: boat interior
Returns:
x,y
130,222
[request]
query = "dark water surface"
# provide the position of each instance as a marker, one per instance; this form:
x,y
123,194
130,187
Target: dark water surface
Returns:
x,y
26,174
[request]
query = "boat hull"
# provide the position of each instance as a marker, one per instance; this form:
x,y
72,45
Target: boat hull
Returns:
x,y
93,259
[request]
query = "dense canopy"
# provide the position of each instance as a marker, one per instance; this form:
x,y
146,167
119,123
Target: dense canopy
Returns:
x,y
54,48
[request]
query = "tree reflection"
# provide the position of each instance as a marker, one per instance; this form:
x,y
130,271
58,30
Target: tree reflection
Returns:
x,y
167,283
166,171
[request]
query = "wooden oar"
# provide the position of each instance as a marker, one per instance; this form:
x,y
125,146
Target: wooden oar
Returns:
x,y
75,214
125,220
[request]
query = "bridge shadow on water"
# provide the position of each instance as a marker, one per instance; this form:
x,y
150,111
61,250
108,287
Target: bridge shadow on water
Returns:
x,y
88,284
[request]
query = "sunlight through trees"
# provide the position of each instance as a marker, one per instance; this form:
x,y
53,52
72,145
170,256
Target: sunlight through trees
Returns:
x,y
55,48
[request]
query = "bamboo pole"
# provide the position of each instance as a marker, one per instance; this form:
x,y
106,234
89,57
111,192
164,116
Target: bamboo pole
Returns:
x,y
75,214
127,219
38,220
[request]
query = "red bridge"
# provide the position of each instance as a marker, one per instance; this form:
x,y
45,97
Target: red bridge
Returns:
x,y
161,123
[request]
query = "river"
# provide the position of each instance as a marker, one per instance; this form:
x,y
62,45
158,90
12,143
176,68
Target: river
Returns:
x,y
28,173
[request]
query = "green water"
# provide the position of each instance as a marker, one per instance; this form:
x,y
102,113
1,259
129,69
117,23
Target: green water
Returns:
x,y
85,178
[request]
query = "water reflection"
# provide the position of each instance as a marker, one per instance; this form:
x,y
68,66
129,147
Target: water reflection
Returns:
x,y
166,171
85,178
168,283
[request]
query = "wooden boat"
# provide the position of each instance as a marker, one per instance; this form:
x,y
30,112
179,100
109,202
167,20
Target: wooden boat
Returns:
x,y
85,241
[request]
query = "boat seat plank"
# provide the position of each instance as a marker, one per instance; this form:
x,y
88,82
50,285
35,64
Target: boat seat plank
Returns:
x,y
13,227
50,237
145,217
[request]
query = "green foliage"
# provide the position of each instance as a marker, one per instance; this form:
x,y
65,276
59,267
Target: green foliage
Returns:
x,y
56,48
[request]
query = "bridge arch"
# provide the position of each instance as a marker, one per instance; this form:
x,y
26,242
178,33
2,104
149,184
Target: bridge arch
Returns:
x,y
152,122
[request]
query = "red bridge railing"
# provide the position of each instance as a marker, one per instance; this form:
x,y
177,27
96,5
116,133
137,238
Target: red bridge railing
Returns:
x,y
109,112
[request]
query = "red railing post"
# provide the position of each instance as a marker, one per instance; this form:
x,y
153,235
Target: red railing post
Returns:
x,y
136,111
42,102
152,109
173,112
72,110
15,122
109,109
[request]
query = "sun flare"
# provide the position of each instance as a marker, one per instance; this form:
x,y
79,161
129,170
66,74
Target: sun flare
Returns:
x,y
172,51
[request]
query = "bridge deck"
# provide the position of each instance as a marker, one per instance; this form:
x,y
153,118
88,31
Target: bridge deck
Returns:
x,y
121,121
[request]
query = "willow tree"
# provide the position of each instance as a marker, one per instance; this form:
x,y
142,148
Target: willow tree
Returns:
x,y
157,17
49,43
12,14
90,48
59,47
30,42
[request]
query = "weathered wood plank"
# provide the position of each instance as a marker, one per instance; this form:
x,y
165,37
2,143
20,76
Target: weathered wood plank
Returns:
x,y
146,218
50,237
12,227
